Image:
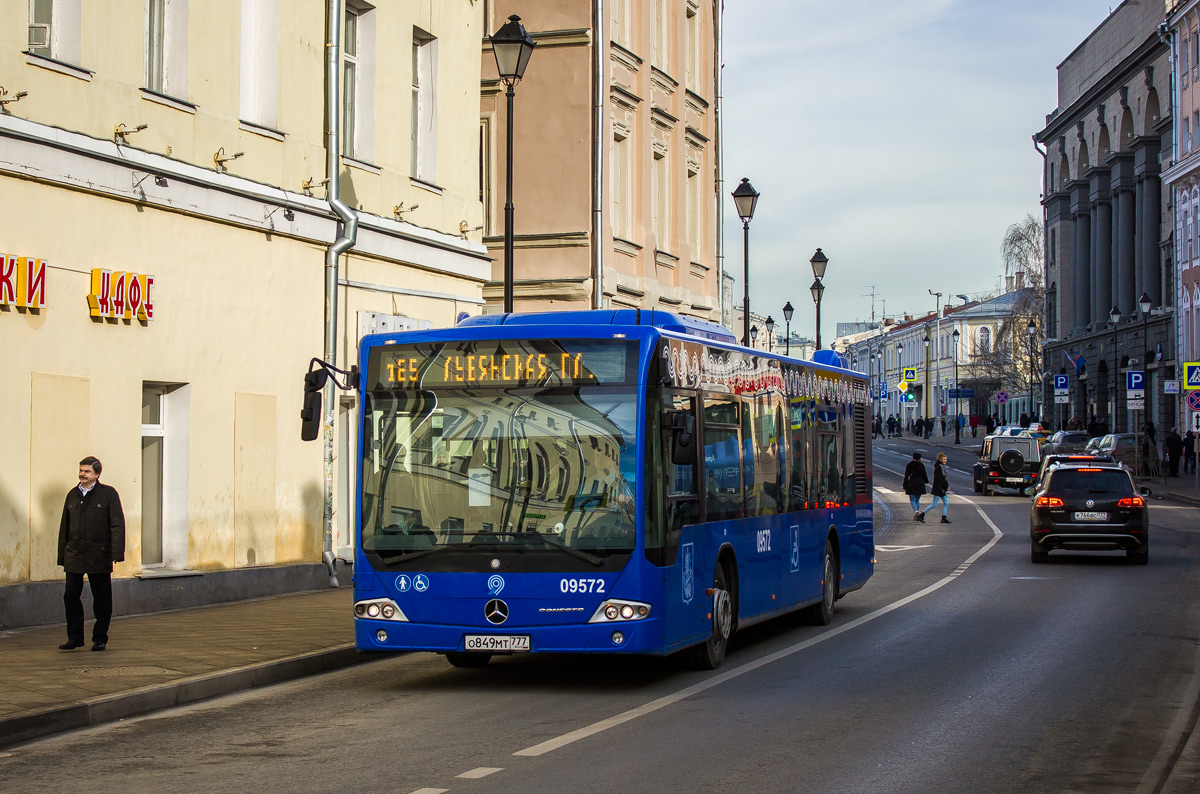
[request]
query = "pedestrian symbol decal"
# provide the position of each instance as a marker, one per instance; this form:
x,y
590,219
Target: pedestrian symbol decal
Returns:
x,y
420,583
689,573
403,583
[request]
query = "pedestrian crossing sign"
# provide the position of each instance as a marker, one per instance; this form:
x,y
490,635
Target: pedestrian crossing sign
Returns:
x,y
910,374
1191,375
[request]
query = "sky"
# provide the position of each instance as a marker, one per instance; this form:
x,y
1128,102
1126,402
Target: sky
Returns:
x,y
895,135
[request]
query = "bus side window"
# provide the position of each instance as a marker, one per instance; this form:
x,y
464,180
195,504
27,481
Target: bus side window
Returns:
x,y
724,493
675,497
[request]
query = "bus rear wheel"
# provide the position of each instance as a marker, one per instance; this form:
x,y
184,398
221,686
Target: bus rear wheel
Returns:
x,y
711,653
459,659
821,613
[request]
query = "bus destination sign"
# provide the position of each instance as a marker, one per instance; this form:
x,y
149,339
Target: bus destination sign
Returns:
x,y
501,364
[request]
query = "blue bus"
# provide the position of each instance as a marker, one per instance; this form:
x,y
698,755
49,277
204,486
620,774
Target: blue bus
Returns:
x,y
620,481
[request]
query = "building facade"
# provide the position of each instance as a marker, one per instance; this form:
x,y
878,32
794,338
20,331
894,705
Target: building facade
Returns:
x,y
163,263
1108,221
616,176
1182,177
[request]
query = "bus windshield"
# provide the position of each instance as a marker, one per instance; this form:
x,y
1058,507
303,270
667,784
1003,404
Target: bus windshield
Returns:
x,y
541,477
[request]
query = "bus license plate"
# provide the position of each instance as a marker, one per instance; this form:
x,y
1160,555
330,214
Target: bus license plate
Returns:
x,y
1091,516
496,642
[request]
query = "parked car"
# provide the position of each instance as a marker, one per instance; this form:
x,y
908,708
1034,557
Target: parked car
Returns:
x,y
1124,448
1040,435
1093,445
1065,442
1092,507
1007,430
1006,462
1049,460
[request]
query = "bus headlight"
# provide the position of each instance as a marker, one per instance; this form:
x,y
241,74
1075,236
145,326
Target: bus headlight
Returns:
x,y
379,609
616,610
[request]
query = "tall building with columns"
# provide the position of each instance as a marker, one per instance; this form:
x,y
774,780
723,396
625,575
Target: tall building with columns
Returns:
x,y
1182,176
1108,227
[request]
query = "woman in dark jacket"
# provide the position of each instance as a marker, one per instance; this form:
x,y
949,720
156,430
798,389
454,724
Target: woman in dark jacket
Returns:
x,y
915,480
941,486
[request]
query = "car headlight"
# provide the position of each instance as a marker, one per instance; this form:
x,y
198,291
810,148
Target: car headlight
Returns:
x,y
379,609
616,610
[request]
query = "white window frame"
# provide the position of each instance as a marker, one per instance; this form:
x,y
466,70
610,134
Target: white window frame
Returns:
x,y
358,95
622,194
62,32
166,48
173,428
423,110
259,86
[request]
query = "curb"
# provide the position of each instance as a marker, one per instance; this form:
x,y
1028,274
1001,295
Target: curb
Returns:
x,y
111,708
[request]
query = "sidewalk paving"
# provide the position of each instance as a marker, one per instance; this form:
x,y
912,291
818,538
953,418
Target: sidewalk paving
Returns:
x,y
167,659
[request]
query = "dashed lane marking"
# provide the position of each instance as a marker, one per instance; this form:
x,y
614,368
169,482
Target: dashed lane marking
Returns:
x,y
902,548
482,771
683,694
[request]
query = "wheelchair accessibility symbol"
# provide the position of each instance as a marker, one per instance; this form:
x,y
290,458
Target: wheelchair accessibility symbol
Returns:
x,y
420,583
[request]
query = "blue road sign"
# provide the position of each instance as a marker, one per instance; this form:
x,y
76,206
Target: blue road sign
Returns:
x,y
1191,375
962,394
1135,380
910,374
883,390
1062,381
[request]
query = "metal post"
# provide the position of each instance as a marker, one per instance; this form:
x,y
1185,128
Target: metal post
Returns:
x,y
821,295
1116,375
957,397
787,343
508,205
746,282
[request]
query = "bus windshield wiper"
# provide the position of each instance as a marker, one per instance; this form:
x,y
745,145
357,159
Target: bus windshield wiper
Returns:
x,y
554,544
400,554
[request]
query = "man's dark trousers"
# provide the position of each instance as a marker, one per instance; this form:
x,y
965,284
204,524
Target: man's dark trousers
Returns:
x,y
101,585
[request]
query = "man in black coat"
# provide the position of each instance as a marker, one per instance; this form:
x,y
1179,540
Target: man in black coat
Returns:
x,y
1174,444
91,537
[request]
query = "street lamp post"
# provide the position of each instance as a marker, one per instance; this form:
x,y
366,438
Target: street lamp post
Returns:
x,y
819,262
925,395
745,198
754,336
1115,317
957,393
787,320
900,376
512,47
770,325
1032,331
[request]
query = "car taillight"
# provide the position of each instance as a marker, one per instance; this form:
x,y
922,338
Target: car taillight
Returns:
x,y
1135,501
1049,501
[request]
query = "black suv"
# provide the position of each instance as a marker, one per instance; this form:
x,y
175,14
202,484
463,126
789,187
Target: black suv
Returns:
x,y
1007,462
1090,507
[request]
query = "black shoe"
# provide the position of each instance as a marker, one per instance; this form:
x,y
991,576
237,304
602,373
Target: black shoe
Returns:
x,y
916,516
945,520
70,646
99,646
921,516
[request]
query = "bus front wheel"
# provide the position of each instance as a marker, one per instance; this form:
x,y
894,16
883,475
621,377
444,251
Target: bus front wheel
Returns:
x,y
710,654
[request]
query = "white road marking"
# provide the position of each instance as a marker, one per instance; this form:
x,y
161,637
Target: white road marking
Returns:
x,y
431,791
902,548
1034,578
482,771
881,489
721,678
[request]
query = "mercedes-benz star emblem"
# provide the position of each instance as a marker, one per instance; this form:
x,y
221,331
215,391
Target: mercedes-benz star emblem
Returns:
x,y
496,611
1091,502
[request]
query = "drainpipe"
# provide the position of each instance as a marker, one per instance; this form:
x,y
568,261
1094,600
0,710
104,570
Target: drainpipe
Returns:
x,y
347,233
719,72
599,139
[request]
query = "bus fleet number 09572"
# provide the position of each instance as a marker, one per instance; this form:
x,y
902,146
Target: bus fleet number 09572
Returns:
x,y
569,585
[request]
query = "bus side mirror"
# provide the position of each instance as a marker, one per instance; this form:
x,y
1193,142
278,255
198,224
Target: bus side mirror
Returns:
x,y
310,415
683,429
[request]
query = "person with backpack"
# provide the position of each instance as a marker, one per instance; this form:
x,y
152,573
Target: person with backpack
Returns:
x,y
915,480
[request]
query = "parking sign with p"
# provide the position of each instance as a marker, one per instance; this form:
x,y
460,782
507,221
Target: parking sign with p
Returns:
x,y
1135,383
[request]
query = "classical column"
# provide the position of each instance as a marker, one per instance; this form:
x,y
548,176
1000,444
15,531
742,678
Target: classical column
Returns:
x,y
1080,269
1102,274
1129,299
1123,294
1151,269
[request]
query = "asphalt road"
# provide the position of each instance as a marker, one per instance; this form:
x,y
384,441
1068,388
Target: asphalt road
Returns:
x,y
959,667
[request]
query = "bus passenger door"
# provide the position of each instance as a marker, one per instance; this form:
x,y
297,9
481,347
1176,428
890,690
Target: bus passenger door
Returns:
x,y
687,578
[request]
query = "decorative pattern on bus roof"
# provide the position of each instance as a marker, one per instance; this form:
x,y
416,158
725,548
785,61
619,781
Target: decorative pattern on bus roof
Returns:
x,y
694,365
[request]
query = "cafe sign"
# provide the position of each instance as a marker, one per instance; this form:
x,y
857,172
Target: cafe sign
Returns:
x,y
22,282
122,296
